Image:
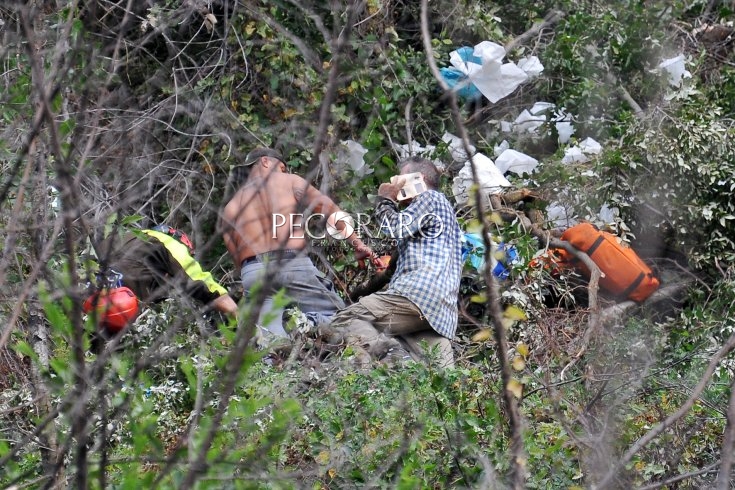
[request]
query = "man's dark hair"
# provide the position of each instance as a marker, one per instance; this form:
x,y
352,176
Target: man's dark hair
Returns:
x,y
426,167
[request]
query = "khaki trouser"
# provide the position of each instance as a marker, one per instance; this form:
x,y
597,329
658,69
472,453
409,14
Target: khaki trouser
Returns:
x,y
393,316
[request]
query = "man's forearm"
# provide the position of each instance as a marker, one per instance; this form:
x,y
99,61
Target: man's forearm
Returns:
x,y
358,244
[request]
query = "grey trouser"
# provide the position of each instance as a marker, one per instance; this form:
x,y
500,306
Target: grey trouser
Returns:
x,y
305,285
395,316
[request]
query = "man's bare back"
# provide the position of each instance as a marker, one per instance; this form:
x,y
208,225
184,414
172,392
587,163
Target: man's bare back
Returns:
x,y
261,215
267,213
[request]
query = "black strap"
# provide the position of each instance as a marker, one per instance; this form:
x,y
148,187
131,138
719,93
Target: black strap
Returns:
x,y
633,285
595,245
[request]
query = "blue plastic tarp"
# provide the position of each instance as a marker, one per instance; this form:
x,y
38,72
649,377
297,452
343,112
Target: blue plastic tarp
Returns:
x,y
458,81
473,251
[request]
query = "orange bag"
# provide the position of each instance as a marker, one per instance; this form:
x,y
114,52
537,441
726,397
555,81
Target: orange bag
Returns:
x,y
626,274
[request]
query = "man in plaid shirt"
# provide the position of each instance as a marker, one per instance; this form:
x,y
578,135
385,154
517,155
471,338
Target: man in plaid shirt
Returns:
x,y
420,304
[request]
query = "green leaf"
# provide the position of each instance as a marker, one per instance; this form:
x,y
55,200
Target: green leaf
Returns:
x,y
77,28
482,335
54,314
132,219
514,313
22,347
518,363
522,349
67,127
189,370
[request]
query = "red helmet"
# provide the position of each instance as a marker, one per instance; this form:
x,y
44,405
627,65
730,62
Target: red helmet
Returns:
x,y
115,308
178,235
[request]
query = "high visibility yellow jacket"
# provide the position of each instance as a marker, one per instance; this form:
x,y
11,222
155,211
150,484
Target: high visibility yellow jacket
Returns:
x,y
156,266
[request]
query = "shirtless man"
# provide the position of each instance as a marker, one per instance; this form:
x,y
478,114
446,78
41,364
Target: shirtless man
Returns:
x,y
264,232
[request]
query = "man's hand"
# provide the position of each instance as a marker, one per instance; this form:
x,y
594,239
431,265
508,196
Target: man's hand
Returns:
x,y
226,305
391,191
383,263
365,252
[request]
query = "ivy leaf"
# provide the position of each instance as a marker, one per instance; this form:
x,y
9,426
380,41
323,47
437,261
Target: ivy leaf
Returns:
x,y
479,298
518,363
515,387
322,457
522,349
482,335
515,313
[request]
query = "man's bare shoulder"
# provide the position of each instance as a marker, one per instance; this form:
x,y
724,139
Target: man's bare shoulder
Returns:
x,y
291,184
235,203
293,179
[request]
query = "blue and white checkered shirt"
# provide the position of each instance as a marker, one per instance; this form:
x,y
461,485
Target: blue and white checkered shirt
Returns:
x,y
429,264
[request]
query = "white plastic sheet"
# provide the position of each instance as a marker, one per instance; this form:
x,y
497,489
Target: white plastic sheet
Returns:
x,y
559,216
498,81
607,214
531,65
351,154
541,107
527,122
456,147
415,149
676,69
498,149
565,131
412,149
516,162
590,146
493,78
489,177
574,155
580,153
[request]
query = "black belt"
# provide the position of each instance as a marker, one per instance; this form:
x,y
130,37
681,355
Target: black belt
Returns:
x,y
278,254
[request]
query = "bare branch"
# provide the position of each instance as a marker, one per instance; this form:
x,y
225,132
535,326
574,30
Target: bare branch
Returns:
x,y
517,458
728,445
661,427
552,18
311,57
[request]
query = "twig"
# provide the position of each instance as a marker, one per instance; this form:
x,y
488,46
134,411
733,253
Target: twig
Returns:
x,y
553,385
549,20
593,286
611,79
703,471
658,429
517,458
325,111
407,115
726,454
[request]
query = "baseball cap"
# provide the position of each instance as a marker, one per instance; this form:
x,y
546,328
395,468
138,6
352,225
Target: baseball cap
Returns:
x,y
260,152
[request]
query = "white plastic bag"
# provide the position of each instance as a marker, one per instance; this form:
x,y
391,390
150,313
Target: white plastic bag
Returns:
x,y
676,69
493,78
351,154
516,162
490,179
456,148
531,65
